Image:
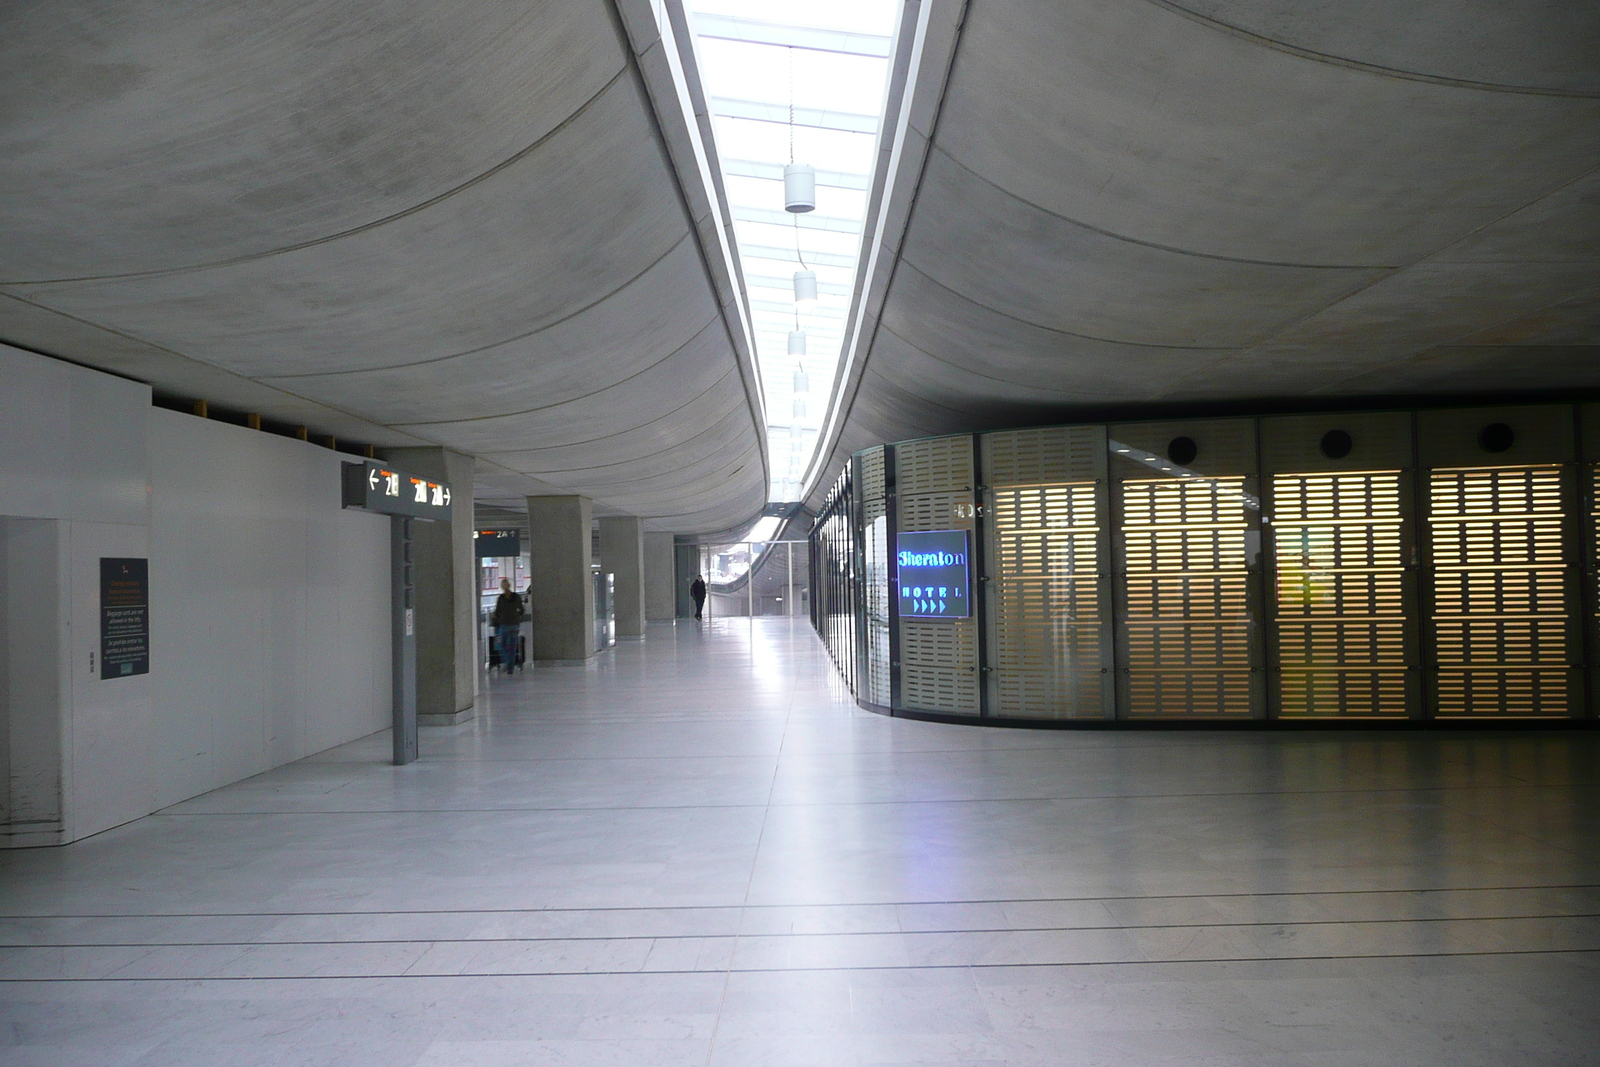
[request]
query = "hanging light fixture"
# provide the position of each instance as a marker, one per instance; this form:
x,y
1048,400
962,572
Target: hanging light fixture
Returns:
x,y
802,381
799,188
797,341
799,409
805,286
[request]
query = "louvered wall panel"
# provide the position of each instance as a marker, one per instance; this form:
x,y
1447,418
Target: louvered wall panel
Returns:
x,y
1047,456
876,686
934,465
1500,616
938,665
1187,616
938,658
872,474
1047,601
877,595
1341,606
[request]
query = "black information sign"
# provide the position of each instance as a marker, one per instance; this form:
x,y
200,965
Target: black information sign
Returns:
x,y
378,487
493,544
124,617
932,568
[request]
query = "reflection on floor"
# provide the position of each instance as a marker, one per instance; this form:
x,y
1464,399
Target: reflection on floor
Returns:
x,y
697,851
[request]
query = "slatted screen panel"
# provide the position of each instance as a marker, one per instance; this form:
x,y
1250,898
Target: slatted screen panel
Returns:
x,y
872,477
1047,625
877,595
1341,594
1500,618
1187,621
935,464
938,658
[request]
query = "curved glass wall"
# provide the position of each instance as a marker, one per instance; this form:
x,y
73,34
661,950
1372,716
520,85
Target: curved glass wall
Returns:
x,y
1360,565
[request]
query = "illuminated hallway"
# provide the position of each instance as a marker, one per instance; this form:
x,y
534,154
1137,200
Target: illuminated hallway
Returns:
x,y
699,851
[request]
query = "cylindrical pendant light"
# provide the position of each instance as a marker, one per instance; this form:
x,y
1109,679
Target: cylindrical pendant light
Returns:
x,y
799,409
802,382
799,188
805,286
797,342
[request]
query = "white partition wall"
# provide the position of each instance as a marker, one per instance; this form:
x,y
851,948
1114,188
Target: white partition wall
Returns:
x,y
267,604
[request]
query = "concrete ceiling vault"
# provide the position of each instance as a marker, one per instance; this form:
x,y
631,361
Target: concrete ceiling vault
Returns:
x,y
1126,202
396,221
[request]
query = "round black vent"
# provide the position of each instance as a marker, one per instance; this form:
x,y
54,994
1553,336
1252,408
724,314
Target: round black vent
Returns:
x,y
1496,437
1182,450
1336,444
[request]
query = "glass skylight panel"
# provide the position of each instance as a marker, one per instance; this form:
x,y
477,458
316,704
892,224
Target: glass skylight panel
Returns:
x,y
822,63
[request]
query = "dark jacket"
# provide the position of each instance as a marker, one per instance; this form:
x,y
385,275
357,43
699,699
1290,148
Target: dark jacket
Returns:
x,y
698,590
507,610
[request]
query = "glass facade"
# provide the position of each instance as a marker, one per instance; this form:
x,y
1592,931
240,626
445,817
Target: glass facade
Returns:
x,y
1362,565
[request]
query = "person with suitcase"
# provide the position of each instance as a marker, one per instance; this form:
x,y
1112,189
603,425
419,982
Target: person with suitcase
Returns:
x,y
507,622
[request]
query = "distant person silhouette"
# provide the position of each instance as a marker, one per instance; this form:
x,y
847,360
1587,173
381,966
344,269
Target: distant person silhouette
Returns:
x,y
698,591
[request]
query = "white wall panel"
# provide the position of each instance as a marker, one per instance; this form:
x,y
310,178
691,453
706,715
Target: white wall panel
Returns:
x,y
269,605
72,441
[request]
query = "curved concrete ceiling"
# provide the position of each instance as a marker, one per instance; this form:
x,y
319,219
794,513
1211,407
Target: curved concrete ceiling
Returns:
x,y
1125,202
401,222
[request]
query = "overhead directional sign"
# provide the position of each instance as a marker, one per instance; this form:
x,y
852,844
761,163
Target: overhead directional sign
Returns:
x,y
378,487
933,574
492,544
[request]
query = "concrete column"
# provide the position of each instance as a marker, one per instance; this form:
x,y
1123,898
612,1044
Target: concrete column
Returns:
x,y
445,573
559,548
660,601
622,554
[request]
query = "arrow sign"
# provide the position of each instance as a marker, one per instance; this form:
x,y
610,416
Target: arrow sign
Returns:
x,y
376,487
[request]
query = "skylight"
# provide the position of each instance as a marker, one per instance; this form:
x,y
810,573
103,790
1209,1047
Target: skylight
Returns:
x,y
795,82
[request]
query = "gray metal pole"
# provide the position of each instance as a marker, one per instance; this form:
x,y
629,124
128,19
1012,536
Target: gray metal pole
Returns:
x,y
788,553
403,641
750,582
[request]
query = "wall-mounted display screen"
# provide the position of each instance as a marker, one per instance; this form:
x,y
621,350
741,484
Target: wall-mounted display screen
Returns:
x,y
933,574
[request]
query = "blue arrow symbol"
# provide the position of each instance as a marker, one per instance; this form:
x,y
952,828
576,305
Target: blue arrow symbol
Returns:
x,y
941,606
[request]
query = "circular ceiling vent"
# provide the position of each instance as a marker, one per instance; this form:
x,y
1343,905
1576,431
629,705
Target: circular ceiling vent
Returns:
x,y
1182,450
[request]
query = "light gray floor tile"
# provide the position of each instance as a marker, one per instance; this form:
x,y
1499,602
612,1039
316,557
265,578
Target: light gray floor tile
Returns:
x,y
699,851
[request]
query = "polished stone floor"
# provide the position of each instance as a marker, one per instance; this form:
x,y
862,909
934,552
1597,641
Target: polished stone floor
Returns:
x,y
698,852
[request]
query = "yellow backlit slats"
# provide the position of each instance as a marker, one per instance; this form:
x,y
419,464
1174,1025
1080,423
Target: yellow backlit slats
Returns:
x,y
1499,599
1188,622
1340,594
1047,625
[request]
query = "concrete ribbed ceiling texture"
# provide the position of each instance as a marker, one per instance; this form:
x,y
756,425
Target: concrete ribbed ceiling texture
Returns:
x,y
397,221
1140,203
475,224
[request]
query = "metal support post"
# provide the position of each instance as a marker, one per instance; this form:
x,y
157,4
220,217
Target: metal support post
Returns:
x,y
403,641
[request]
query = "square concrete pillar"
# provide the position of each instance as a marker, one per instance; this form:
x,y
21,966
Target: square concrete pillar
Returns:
x,y
660,601
445,572
559,549
622,554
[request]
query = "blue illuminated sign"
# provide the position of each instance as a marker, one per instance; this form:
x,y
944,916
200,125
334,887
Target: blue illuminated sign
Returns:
x,y
932,569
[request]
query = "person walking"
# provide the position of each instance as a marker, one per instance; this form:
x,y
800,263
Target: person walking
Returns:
x,y
698,592
507,622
